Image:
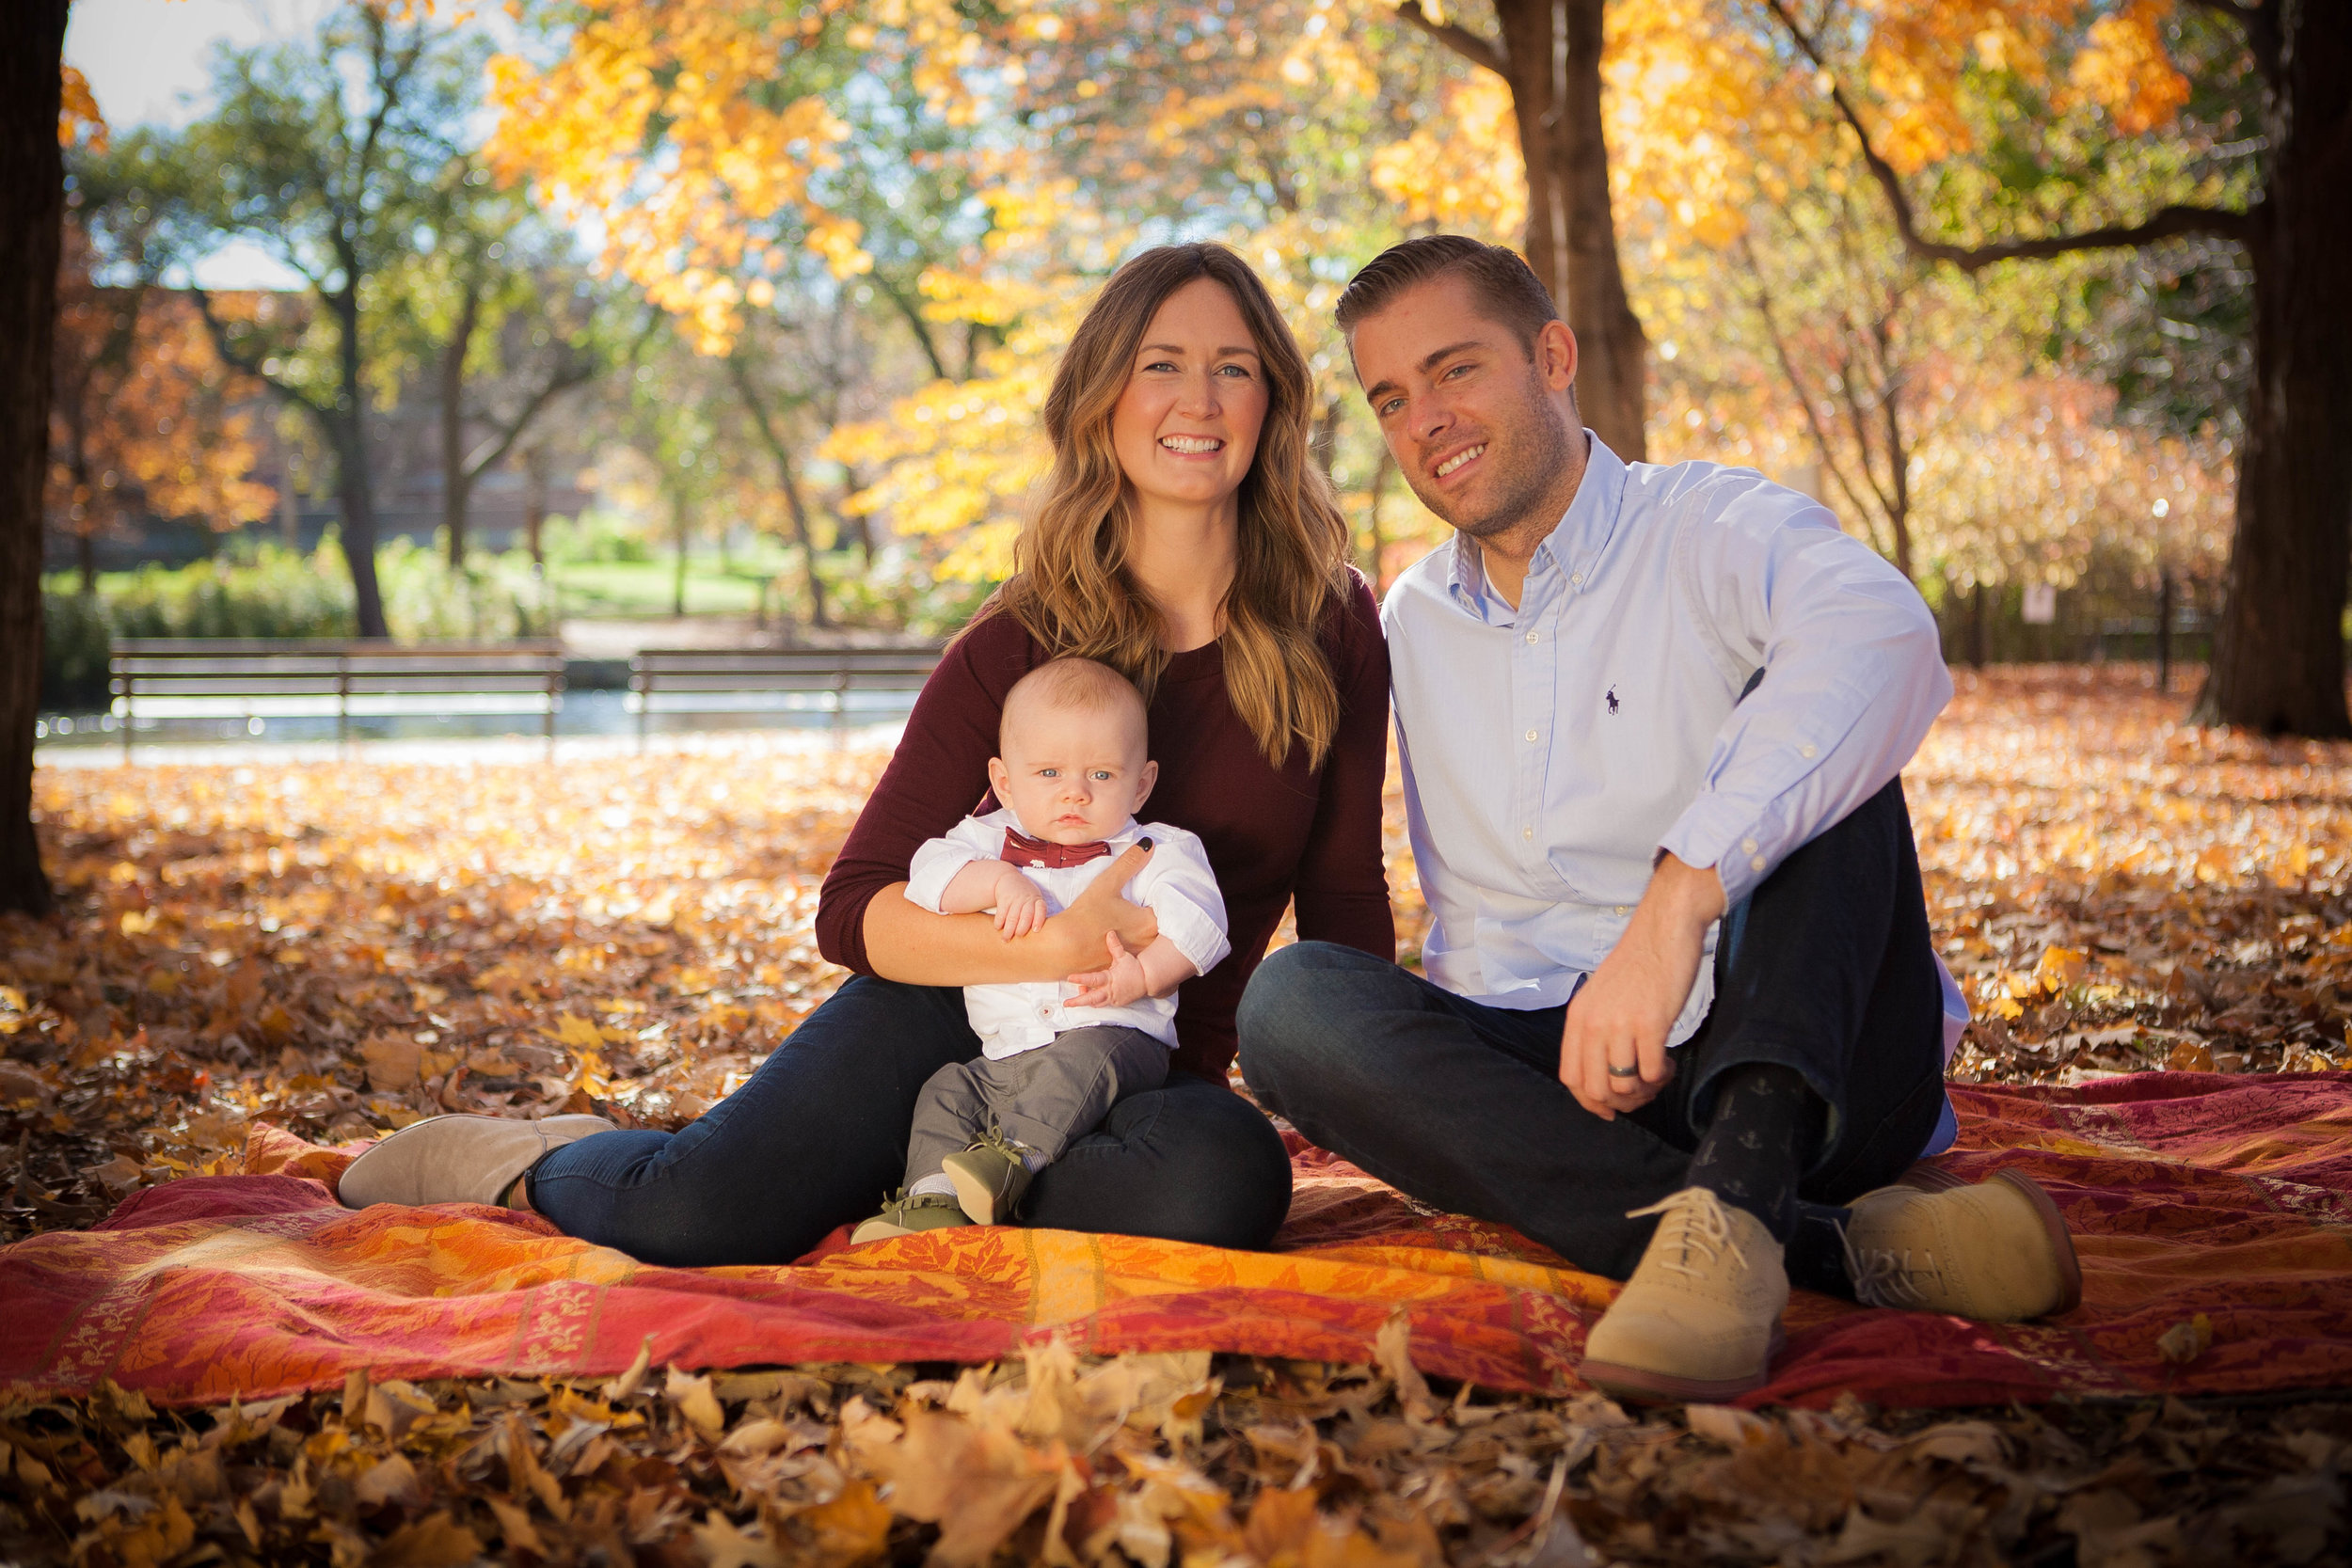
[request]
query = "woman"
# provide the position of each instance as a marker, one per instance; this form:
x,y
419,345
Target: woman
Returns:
x,y
1188,540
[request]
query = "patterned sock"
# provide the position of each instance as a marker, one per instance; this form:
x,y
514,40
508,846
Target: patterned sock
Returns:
x,y
1767,1129
936,1183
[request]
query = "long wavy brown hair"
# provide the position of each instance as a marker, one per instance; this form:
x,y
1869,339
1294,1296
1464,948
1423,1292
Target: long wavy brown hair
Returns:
x,y
1071,586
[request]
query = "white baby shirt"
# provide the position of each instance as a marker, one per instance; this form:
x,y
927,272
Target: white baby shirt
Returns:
x,y
1176,885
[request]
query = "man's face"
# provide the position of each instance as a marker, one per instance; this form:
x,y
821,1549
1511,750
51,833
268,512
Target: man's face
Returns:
x,y
1482,429
1071,775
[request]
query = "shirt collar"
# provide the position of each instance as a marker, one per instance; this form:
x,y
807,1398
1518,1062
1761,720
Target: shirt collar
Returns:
x,y
1576,544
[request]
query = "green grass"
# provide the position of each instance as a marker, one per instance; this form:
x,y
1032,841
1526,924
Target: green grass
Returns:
x,y
628,588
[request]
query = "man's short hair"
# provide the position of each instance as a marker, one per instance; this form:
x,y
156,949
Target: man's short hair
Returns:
x,y
1506,287
1078,683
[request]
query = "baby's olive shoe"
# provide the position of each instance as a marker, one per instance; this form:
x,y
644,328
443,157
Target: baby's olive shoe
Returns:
x,y
990,1179
903,1215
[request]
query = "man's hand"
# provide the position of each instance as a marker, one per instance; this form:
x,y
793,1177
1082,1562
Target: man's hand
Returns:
x,y
1621,1016
1102,911
1019,904
1120,983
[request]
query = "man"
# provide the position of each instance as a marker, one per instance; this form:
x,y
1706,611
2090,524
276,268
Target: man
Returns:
x,y
1684,1023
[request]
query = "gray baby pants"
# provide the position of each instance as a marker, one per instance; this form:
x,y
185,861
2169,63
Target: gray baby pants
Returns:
x,y
1041,1098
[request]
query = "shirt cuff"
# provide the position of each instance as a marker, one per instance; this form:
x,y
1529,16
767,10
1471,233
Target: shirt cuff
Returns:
x,y
1725,834
934,867
1197,936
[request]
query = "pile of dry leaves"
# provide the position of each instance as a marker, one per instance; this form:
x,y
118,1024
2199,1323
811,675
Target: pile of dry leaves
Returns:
x,y
342,949
1150,1461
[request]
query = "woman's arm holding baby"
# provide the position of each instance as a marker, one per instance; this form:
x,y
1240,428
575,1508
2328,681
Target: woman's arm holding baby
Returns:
x,y
907,942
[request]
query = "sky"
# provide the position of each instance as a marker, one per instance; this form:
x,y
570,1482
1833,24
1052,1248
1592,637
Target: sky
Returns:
x,y
148,63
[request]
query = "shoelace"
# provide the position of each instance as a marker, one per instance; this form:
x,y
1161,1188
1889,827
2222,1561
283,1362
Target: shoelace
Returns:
x,y
1885,1278
1704,1227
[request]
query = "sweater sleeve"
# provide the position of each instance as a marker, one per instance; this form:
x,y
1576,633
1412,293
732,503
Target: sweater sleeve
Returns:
x,y
937,776
1341,893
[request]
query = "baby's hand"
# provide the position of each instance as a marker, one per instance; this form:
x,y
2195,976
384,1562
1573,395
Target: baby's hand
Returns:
x,y
1020,905
1119,983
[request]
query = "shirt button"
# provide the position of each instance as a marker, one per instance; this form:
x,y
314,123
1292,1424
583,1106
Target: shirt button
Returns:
x,y
1527,832
1044,1010
1621,909
1531,639
1748,844
1577,581
1531,734
1804,751
1756,864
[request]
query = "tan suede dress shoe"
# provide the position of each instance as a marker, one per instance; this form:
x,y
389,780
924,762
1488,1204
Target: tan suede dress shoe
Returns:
x,y
1700,1319
1995,1250
457,1159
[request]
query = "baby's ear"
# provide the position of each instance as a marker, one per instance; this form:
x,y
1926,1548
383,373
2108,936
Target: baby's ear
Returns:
x,y
1144,781
999,777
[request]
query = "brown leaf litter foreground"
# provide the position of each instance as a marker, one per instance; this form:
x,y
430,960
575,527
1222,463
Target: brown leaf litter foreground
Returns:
x,y
342,949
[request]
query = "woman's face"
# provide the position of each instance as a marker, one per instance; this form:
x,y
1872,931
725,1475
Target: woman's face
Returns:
x,y
1187,427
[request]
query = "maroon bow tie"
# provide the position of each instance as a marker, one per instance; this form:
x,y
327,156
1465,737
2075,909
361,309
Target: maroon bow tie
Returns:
x,y
1021,849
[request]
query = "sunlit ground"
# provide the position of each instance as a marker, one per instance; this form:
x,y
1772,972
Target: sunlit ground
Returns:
x,y
345,947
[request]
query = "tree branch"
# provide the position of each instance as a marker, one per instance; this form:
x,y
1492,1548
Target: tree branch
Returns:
x,y
2166,223
1470,46
575,369
1762,300
238,359
916,323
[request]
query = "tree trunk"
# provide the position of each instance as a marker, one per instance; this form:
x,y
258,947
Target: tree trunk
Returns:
x,y
782,453
348,434
536,505
457,484
32,215
358,498
1551,58
2278,662
681,518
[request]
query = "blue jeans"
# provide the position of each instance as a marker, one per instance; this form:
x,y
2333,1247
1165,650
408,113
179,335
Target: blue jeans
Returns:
x,y
1827,968
819,1137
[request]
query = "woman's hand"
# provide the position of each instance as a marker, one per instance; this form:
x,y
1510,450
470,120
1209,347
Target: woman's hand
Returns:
x,y
1120,983
1102,911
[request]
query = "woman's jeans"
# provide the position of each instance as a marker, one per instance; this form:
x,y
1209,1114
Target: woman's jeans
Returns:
x,y
819,1137
1826,969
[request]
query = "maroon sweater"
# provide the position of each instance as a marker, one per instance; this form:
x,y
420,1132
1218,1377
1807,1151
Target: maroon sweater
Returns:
x,y
1273,835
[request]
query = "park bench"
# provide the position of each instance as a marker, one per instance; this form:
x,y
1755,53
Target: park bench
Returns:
x,y
750,680
227,679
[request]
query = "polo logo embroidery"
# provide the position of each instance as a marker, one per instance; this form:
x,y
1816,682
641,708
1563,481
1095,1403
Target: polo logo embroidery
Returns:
x,y
1612,699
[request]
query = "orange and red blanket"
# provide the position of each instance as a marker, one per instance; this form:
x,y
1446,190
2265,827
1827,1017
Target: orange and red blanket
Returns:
x,y
2191,1196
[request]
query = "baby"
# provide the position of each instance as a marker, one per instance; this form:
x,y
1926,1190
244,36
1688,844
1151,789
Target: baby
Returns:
x,y
1072,776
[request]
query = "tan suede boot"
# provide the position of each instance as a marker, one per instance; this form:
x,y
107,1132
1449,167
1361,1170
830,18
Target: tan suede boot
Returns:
x,y
1700,1319
457,1159
1995,1250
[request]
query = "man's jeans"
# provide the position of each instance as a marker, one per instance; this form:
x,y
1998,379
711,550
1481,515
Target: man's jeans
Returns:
x,y
818,1136
1827,968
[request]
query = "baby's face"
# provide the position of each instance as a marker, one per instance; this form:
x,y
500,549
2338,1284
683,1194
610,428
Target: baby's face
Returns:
x,y
1071,775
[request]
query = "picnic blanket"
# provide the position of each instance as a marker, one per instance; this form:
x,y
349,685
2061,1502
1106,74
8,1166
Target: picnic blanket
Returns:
x,y
2191,1196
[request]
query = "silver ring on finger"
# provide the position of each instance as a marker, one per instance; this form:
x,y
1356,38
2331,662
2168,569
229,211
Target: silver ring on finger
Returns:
x,y
1616,1071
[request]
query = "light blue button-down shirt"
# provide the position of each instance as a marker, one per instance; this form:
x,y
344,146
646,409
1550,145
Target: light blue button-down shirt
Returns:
x,y
1552,750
